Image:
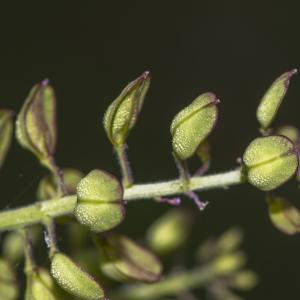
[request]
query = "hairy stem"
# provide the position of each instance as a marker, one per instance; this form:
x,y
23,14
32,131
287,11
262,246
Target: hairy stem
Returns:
x,y
170,286
40,211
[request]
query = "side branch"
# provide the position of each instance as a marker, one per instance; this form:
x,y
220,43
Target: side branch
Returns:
x,y
38,212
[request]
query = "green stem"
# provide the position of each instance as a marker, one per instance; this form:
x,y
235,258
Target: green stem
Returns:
x,y
30,265
170,286
127,178
51,237
37,212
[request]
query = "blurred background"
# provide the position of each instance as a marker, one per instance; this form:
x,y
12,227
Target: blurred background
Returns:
x,y
91,49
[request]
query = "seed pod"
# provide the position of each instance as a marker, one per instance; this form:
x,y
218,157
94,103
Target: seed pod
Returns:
x,y
8,284
99,201
284,216
123,260
193,124
270,161
6,130
41,286
272,99
169,232
47,188
290,132
243,280
36,122
122,114
74,280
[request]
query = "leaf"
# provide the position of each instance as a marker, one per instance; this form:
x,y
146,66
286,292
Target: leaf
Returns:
x,y
169,232
122,114
75,280
47,187
270,161
193,124
99,201
122,259
6,130
272,99
36,122
284,216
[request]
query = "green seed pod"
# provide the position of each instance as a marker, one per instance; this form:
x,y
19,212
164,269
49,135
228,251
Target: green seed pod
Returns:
x,y
47,188
270,161
6,130
290,132
244,280
99,201
272,99
284,216
228,263
169,232
41,286
123,260
74,280
193,124
8,284
13,247
122,114
230,240
36,122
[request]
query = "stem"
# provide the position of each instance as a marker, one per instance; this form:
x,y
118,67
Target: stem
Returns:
x,y
183,170
30,265
37,212
127,178
50,237
170,286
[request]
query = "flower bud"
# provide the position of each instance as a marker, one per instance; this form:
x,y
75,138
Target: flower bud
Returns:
x,y
193,124
36,122
99,201
230,240
272,99
6,130
122,114
270,161
74,280
47,187
290,132
122,259
169,232
284,216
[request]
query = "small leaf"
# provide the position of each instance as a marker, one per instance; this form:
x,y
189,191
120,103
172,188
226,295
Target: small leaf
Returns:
x,y
99,201
36,122
270,161
47,187
284,215
193,124
122,114
6,130
272,99
122,259
169,232
74,280
290,132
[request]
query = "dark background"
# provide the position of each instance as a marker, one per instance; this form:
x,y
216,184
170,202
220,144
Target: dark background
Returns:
x,y
91,49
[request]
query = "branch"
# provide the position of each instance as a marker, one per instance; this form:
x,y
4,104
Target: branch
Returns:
x,y
39,211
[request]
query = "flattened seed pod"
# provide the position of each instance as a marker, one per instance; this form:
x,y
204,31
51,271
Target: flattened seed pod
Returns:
x,y
270,161
123,259
284,216
36,122
272,99
193,124
99,201
122,114
74,280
